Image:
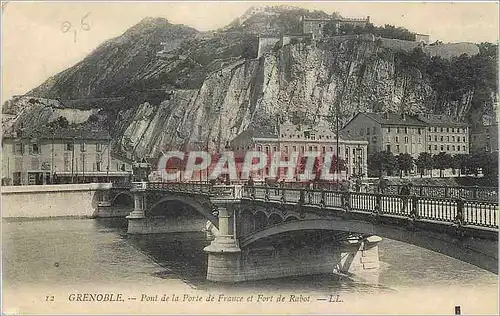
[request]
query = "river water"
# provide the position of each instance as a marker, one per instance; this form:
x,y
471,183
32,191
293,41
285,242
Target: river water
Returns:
x,y
44,258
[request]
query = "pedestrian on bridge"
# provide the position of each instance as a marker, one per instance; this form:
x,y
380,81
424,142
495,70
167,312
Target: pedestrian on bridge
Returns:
x,y
405,193
250,185
382,184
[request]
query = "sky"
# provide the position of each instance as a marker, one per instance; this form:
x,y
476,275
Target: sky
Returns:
x,y
37,43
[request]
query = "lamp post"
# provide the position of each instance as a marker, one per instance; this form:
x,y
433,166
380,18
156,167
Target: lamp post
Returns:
x,y
73,160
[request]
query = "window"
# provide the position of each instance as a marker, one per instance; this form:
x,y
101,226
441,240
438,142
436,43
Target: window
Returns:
x,y
441,129
310,148
447,138
274,148
464,139
98,147
453,130
367,131
435,147
463,148
447,130
442,148
430,138
397,130
435,129
419,131
430,147
315,148
267,149
406,130
453,147
259,148
452,138
458,130
435,138
323,149
361,132
430,129
294,148
82,147
397,148
286,149
397,139
406,139
373,130
442,138
18,149
419,140
66,162
35,149
448,147
331,148
388,148
388,130
69,146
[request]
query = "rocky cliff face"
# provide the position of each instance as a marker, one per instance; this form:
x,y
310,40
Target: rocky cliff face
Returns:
x,y
217,88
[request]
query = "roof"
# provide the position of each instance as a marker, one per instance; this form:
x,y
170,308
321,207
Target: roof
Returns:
x,y
80,132
440,120
394,119
252,133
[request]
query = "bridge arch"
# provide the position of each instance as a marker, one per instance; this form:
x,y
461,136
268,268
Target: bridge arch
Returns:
x,y
123,198
261,220
202,208
482,253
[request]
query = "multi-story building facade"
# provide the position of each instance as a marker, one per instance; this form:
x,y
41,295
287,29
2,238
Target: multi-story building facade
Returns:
x,y
484,138
61,156
445,135
388,132
300,139
409,134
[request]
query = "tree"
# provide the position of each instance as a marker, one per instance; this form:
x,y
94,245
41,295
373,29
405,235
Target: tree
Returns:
x,y
381,161
424,162
405,163
459,161
442,161
488,162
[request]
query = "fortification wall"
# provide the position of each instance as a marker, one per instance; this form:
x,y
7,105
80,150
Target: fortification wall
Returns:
x,y
266,44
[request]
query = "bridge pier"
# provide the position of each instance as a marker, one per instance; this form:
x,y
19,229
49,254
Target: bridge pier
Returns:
x,y
137,218
224,254
359,257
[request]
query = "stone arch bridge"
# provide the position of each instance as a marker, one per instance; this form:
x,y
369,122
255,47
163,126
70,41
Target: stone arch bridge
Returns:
x,y
264,232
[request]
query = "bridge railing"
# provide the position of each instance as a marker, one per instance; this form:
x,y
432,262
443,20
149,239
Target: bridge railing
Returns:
x,y
477,213
220,191
468,193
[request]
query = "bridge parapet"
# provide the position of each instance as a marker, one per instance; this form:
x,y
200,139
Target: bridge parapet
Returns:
x,y
446,210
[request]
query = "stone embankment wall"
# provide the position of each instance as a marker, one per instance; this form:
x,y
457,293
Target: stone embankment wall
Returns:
x,y
65,200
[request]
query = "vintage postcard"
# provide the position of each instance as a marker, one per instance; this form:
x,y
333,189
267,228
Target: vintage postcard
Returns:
x,y
249,157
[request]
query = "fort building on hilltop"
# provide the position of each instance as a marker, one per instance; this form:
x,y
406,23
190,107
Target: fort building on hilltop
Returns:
x,y
315,26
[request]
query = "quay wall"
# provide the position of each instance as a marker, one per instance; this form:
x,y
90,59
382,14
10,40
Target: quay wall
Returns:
x,y
63,200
